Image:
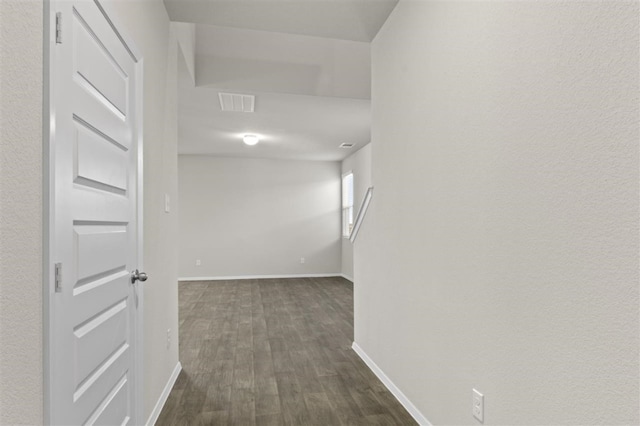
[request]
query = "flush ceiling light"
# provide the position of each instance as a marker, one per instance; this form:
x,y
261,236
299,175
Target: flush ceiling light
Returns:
x,y
250,139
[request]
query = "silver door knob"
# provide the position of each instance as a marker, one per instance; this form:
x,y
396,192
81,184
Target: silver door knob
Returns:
x,y
138,276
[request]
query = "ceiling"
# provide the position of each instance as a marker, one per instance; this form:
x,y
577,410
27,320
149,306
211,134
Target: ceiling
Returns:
x,y
307,128
307,62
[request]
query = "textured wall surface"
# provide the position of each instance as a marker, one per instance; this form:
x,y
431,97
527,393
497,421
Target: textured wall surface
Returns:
x,y
360,164
501,249
21,30
258,217
21,375
147,23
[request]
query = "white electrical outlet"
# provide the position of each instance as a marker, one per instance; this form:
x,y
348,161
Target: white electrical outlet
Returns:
x,y
478,405
168,338
302,260
198,262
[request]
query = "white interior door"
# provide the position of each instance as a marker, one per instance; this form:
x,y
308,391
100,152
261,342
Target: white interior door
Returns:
x,y
94,306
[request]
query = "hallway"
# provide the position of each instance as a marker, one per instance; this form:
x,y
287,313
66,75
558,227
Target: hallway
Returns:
x,y
274,352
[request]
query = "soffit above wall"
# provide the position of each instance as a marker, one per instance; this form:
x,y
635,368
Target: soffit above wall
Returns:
x,y
358,20
261,61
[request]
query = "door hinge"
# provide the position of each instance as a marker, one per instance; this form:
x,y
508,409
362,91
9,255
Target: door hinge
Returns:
x,y
59,27
58,277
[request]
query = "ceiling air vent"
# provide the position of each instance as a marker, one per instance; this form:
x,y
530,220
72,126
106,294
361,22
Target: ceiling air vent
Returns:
x,y
237,102
346,145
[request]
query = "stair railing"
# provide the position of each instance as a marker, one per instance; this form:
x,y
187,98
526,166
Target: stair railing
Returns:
x,y
361,213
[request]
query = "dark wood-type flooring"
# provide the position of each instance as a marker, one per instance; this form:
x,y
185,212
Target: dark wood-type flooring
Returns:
x,y
274,352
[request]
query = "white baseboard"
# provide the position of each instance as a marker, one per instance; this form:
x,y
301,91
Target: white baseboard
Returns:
x,y
402,399
153,417
347,277
260,277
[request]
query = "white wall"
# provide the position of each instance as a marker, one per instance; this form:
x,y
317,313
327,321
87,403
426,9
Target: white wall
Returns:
x,y
21,35
247,217
21,24
501,247
360,164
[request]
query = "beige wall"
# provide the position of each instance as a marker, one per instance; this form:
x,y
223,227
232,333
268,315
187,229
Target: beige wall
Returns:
x,y
21,201
248,217
21,387
501,248
360,164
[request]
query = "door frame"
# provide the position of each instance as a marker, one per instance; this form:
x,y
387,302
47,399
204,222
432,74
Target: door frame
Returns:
x,y
48,205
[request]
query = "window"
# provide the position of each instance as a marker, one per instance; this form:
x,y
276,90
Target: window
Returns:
x,y
347,204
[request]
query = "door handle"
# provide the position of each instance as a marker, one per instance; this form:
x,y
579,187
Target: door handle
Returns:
x,y
138,276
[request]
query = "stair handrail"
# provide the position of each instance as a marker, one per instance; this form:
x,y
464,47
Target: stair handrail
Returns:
x,y
361,213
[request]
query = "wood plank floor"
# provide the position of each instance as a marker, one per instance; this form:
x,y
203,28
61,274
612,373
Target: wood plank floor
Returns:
x,y
274,352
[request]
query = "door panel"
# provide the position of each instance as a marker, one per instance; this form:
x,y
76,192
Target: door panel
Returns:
x,y
94,316
101,161
96,338
95,66
112,127
93,391
109,413
98,23
94,284
101,249
90,204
